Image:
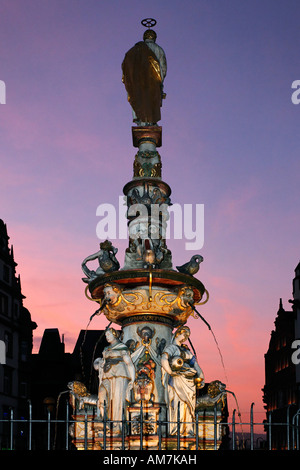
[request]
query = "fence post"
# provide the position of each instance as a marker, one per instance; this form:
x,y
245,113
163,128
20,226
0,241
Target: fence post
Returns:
x,y
141,426
104,425
288,427
11,429
215,427
233,430
30,425
297,431
48,430
159,430
293,429
270,430
123,428
67,425
197,430
178,426
85,430
251,426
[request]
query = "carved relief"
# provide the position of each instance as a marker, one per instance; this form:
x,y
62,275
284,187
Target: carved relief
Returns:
x,y
121,304
147,164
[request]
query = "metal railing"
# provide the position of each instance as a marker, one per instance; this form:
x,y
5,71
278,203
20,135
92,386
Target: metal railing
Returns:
x,y
51,433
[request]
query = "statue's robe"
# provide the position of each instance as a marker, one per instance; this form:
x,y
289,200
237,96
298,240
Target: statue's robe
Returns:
x,y
114,378
143,82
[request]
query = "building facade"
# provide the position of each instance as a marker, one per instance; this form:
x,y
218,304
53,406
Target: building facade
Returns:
x,y
281,393
16,329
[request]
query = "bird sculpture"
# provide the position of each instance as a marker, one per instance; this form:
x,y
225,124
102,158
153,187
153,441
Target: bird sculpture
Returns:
x,y
192,267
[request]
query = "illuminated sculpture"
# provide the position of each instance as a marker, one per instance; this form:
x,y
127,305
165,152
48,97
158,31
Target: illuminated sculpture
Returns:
x,y
150,383
182,375
106,258
144,70
116,374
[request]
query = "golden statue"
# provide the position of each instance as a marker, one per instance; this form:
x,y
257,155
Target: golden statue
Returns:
x,y
144,69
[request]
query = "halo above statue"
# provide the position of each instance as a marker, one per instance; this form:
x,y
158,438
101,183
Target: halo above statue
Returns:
x,y
149,22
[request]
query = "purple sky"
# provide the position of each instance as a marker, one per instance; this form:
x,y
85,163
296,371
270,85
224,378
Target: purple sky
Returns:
x,y
230,142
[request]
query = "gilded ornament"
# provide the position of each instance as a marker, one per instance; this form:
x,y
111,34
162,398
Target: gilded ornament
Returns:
x,y
214,394
176,304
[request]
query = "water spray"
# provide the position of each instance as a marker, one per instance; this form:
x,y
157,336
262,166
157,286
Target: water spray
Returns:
x,y
215,339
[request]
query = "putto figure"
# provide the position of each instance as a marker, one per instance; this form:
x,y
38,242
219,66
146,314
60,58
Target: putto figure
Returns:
x,y
181,376
144,69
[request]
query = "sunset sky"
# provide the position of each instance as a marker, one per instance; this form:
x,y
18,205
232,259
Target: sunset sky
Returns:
x,y
230,142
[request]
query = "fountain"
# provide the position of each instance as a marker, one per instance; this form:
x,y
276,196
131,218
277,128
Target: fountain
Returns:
x,y
152,392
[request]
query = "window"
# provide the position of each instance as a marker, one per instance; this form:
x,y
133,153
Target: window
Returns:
x,y
23,389
7,381
17,309
6,273
8,339
24,350
3,304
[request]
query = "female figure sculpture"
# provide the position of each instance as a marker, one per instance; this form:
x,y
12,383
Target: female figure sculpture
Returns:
x,y
116,377
180,374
